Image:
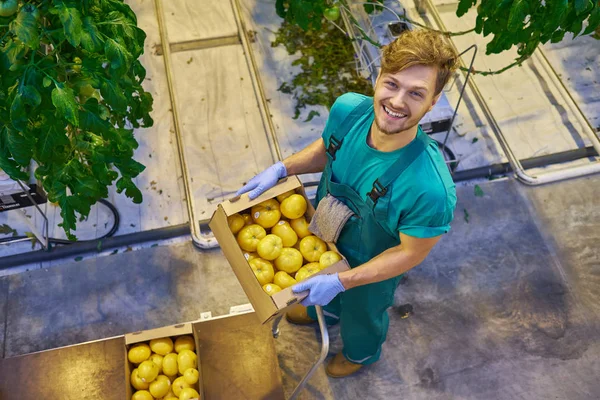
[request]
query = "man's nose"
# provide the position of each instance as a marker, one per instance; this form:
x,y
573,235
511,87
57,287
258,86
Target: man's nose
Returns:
x,y
398,101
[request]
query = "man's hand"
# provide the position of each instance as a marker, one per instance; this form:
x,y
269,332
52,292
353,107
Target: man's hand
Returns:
x,y
322,289
264,181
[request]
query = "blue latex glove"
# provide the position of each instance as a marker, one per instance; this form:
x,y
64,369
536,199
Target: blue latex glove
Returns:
x,y
264,181
322,289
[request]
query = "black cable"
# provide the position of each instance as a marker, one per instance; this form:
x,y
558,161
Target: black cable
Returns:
x,y
111,232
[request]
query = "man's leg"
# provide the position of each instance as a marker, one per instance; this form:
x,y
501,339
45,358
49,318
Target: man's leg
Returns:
x,y
364,320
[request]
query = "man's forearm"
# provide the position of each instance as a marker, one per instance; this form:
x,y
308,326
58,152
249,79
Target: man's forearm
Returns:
x,y
308,160
389,264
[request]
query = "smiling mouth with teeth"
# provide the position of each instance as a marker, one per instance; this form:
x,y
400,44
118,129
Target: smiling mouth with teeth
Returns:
x,y
393,114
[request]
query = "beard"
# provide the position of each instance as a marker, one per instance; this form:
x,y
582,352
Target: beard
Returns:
x,y
393,131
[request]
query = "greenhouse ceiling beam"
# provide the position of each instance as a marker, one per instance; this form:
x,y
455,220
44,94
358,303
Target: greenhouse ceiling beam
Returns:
x,y
199,44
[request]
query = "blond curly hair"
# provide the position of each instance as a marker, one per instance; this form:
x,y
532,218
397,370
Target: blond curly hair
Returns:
x,y
421,47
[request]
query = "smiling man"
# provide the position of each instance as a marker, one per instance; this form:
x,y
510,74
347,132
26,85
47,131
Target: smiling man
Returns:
x,y
378,162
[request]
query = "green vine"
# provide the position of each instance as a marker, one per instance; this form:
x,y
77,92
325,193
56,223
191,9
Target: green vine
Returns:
x,y
70,97
328,66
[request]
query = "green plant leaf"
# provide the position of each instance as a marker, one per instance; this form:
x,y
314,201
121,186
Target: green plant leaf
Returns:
x,y
581,6
131,191
518,12
280,8
113,95
70,17
18,113
593,20
90,118
52,145
31,96
464,6
25,27
118,56
91,39
47,82
65,103
20,147
478,191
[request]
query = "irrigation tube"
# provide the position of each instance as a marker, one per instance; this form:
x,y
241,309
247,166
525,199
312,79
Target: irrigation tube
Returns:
x,y
517,167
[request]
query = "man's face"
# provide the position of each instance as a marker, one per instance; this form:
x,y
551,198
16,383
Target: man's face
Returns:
x,y
403,98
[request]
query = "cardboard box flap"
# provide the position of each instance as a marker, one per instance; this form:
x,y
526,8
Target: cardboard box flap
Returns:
x,y
262,303
173,330
242,202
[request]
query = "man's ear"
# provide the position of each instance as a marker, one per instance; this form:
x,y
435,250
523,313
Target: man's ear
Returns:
x,y
435,100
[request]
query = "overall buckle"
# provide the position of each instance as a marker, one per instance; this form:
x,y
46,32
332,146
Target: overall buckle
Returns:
x,y
334,146
378,191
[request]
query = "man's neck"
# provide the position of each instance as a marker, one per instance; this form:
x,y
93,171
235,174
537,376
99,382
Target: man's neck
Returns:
x,y
388,143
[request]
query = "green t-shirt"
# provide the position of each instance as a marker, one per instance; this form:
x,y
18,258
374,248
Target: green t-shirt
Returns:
x,y
423,196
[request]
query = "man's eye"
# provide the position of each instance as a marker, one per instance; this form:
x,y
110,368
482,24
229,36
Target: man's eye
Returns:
x,y
391,84
417,94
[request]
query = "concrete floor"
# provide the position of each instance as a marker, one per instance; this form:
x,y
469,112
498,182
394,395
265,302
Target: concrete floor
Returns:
x,y
505,307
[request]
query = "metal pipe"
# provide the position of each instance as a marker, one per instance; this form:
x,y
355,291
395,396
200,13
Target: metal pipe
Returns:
x,y
93,245
256,82
204,242
322,356
543,177
78,248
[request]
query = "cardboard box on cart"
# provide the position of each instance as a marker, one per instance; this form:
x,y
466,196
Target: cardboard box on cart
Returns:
x,y
265,306
146,336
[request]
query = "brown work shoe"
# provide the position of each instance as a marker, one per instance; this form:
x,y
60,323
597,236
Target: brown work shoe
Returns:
x,y
340,367
298,315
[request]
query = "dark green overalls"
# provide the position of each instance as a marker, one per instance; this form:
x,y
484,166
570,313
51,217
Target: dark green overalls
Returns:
x,y
362,311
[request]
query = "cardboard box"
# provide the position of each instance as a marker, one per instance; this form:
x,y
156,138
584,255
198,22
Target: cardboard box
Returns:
x,y
173,332
266,307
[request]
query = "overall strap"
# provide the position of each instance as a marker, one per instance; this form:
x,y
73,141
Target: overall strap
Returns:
x,y
415,149
337,136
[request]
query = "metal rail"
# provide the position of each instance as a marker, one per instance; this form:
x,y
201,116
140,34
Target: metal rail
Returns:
x,y
322,355
541,177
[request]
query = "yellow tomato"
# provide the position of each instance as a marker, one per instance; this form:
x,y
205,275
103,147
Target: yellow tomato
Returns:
x,y
162,346
312,248
236,222
284,230
308,270
263,270
247,219
267,213
137,382
169,365
294,206
300,226
249,256
138,353
269,247
142,395
157,359
329,258
147,371
191,375
289,261
189,394
160,387
271,288
284,280
285,195
249,237
178,385
186,359
184,342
